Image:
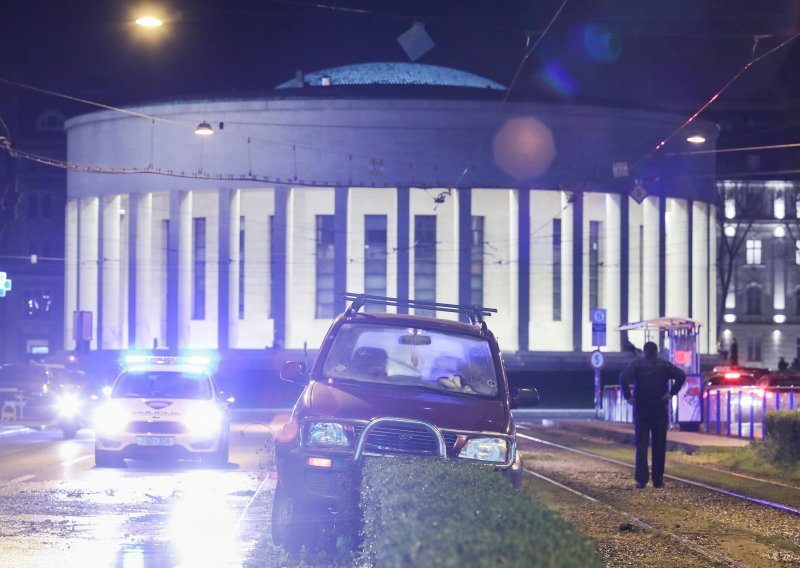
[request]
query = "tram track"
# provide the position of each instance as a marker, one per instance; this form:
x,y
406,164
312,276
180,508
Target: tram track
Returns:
x,y
728,492
707,525
700,549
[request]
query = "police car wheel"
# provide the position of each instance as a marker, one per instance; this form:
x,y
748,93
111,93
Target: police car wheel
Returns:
x,y
220,457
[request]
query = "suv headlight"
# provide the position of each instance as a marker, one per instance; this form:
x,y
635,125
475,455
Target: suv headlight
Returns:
x,y
485,449
327,434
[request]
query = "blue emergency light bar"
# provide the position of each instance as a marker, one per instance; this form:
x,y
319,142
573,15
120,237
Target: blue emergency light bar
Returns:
x,y
203,361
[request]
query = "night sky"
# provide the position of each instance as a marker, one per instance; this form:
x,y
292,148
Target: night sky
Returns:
x,y
667,54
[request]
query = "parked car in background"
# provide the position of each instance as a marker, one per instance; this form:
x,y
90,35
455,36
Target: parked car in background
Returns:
x,y
28,387
733,377
779,380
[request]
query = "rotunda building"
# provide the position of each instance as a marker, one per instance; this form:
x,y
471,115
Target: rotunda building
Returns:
x,y
403,180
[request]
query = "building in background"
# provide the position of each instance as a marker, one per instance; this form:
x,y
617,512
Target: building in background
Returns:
x,y
32,202
404,180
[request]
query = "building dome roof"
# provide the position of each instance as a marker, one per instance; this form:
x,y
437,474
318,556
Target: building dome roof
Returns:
x,y
389,73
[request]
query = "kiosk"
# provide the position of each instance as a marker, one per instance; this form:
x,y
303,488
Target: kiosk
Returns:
x,y
681,345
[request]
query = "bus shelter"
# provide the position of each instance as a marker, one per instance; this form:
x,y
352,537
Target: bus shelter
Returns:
x,y
681,350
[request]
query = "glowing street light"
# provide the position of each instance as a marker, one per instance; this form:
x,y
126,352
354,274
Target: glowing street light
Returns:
x,y
696,139
204,129
149,22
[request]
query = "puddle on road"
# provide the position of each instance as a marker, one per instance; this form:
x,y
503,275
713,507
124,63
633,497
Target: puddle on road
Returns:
x,y
126,519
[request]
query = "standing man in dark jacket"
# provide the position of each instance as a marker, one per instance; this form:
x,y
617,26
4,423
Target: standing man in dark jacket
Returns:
x,y
650,378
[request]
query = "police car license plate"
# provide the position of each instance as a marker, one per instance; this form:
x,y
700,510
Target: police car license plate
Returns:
x,y
155,440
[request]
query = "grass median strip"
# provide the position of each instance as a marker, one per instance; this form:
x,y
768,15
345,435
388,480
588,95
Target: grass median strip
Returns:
x,y
428,512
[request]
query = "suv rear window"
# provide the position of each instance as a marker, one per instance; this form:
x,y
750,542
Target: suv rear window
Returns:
x,y
163,384
412,357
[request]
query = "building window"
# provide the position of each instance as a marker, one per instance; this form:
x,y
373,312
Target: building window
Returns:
x,y
753,251
50,121
730,203
754,349
779,206
375,259
556,269
325,266
38,304
797,301
797,349
425,261
594,265
797,252
753,301
476,262
199,266
241,267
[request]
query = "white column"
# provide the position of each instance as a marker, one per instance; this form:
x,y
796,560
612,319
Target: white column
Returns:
x,y
147,288
235,266
87,246
636,293
711,338
650,268
610,270
70,271
112,332
700,269
677,261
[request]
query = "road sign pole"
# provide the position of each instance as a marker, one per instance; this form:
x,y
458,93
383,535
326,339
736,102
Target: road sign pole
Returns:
x,y
597,400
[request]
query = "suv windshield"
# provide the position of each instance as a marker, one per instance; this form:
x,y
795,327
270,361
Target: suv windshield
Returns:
x,y
416,357
162,384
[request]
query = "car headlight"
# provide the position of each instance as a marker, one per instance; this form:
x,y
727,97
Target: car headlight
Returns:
x,y
327,434
68,404
485,449
203,419
110,419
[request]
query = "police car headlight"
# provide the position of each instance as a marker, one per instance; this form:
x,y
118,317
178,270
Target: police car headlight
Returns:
x,y
485,449
327,434
110,419
203,419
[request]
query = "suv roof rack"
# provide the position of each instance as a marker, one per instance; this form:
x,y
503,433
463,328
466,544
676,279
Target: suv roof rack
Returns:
x,y
474,313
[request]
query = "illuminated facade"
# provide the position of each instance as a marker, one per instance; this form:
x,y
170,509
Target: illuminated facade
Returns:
x,y
245,239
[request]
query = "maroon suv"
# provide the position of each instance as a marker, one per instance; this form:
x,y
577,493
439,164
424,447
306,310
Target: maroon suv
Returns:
x,y
391,384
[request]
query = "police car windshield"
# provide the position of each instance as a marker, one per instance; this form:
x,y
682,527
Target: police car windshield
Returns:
x,y
162,384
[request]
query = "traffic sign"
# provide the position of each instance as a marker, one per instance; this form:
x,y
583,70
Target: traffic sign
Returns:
x,y
598,327
597,359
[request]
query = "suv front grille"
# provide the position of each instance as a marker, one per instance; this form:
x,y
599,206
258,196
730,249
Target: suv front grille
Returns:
x,y
402,439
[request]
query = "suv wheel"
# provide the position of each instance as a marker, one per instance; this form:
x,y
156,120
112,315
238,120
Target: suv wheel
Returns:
x,y
292,525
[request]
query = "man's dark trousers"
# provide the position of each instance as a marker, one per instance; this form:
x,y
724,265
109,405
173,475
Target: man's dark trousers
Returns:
x,y
650,419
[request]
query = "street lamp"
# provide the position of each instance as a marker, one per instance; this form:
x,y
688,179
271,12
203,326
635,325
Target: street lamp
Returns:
x,y
696,139
149,22
204,129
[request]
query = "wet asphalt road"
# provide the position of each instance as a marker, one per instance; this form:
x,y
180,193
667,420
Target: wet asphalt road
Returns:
x,y
58,509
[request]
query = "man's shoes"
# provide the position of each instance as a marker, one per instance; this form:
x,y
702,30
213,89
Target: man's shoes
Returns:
x,y
640,485
658,484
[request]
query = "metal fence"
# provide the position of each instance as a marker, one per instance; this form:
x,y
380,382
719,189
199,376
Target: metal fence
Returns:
x,y
736,412
741,412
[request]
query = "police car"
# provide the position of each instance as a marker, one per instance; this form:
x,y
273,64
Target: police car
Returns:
x,y
163,407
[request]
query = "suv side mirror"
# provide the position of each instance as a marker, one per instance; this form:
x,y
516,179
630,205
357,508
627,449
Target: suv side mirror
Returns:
x,y
524,398
294,371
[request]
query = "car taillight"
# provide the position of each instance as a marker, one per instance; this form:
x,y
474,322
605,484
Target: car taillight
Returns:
x,y
733,375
